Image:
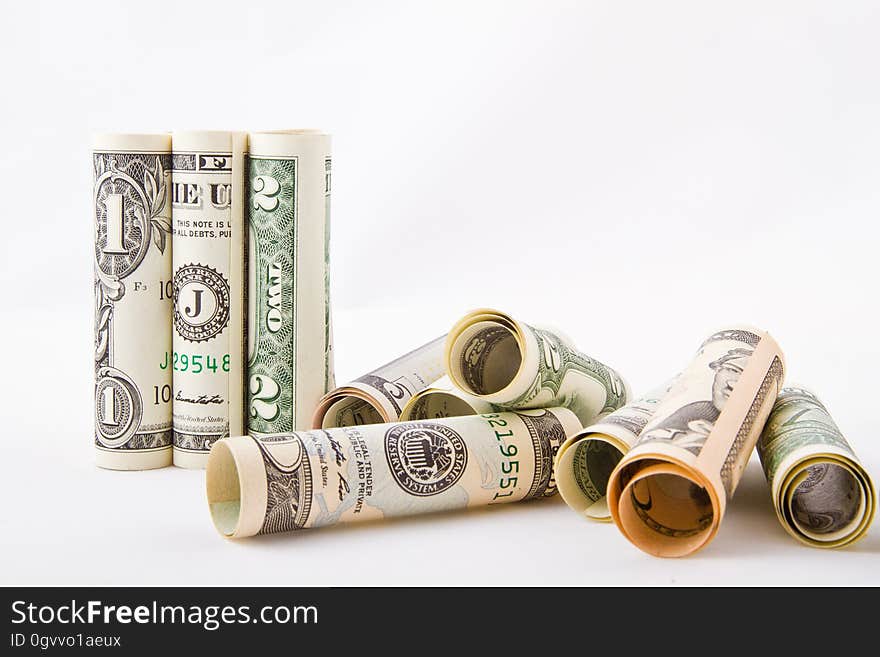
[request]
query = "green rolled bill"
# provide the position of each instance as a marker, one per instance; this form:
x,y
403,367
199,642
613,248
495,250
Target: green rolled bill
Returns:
x,y
290,346
494,357
822,494
586,460
281,482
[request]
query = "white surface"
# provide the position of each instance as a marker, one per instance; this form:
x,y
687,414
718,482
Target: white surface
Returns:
x,y
637,174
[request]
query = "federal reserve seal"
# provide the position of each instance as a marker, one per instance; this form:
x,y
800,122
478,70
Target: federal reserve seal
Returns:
x,y
201,302
425,458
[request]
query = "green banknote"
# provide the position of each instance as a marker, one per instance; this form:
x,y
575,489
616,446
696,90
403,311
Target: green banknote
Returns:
x,y
289,338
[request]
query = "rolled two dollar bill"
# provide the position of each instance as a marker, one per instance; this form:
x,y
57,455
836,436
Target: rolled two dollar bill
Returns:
x,y
668,495
822,494
500,360
586,460
284,482
380,395
290,364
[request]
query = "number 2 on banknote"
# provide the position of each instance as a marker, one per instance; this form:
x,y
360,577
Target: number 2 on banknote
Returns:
x,y
266,188
264,393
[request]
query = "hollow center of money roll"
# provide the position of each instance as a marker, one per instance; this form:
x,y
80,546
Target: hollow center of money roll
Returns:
x,y
827,499
443,404
665,512
588,465
224,489
489,359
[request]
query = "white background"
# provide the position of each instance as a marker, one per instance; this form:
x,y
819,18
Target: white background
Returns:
x,y
636,173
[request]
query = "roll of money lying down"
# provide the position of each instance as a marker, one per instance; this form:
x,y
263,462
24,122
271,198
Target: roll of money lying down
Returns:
x,y
500,360
380,395
822,495
443,399
283,482
585,461
669,493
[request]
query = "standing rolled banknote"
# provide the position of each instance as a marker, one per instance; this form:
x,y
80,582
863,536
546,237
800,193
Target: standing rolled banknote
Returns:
x,y
586,460
290,365
283,482
669,493
494,357
380,396
209,288
132,300
822,494
443,400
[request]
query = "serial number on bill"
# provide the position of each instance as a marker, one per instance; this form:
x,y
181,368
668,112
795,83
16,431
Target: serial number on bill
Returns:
x,y
195,363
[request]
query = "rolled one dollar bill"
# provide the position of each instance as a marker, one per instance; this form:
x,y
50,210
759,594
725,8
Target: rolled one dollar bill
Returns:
x,y
283,482
822,494
209,288
443,400
380,396
502,361
586,460
669,493
290,365
132,260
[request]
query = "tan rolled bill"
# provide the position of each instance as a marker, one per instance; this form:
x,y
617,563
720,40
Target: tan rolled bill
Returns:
x,y
210,284
380,395
132,264
283,482
822,494
500,360
669,493
586,460
443,400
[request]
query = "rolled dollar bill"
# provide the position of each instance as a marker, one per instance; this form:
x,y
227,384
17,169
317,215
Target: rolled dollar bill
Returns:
x,y
443,400
669,492
586,460
282,482
209,288
822,494
380,396
502,361
132,213
290,364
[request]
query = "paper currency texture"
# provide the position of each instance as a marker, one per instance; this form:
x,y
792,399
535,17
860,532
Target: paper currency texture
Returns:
x,y
132,262
586,460
443,400
669,492
209,286
380,396
502,361
822,494
284,482
290,365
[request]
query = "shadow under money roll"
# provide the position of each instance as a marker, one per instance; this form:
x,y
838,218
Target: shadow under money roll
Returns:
x,y
822,494
380,395
669,493
283,482
502,361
